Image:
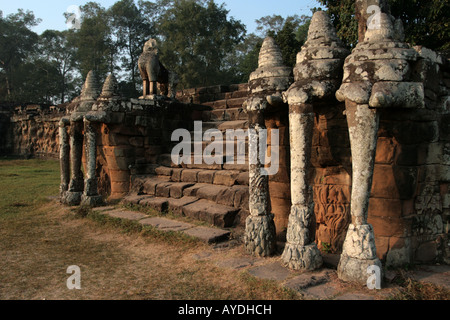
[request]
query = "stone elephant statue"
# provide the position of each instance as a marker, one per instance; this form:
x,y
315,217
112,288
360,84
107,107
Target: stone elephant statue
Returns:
x,y
153,73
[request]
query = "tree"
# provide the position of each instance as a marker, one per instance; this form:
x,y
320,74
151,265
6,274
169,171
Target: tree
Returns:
x,y
132,28
426,22
196,37
246,55
290,34
267,24
17,43
95,49
54,47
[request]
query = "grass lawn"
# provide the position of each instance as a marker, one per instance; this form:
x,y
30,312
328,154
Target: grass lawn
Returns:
x,y
26,184
40,239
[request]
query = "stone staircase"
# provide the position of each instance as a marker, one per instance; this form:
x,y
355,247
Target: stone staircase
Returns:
x,y
216,194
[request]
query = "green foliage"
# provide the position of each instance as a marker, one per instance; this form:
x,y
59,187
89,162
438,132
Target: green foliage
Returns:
x,y
197,37
290,34
25,184
426,22
55,49
17,44
342,13
95,49
132,28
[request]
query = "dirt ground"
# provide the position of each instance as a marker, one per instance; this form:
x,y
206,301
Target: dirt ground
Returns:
x,y
38,247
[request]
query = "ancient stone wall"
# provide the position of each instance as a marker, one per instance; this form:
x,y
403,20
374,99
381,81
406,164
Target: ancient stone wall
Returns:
x,y
31,131
409,204
137,140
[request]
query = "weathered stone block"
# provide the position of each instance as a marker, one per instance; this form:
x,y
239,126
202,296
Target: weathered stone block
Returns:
x,y
226,197
388,208
120,187
386,150
242,179
163,189
206,176
192,191
176,175
176,205
426,252
388,227
176,189
164,171
211,212
210,192
190,175
149,185
158,204
208,235
226,177
394,182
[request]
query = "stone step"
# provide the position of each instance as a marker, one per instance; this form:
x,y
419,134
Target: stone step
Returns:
x,y
228,177
223,190
205,234
233,125
225,115
205,176
209,211
222,126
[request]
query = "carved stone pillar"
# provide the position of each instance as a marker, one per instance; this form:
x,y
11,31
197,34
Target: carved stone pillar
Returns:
x,y
301,252
266,84
90,196
359,251
260,227
376,75
76,185
64,156
78,109
318,73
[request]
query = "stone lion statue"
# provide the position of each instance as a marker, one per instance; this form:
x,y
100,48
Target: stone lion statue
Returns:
x,y
154,75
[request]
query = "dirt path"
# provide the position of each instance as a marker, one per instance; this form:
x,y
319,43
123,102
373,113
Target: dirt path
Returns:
x,y
38,247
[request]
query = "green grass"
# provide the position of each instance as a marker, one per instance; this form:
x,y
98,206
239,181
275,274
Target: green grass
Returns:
x,y
26,184
129,227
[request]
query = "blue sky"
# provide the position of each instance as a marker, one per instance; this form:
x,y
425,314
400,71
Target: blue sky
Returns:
x,y
247,11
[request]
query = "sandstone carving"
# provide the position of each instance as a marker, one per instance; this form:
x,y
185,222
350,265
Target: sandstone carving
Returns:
x,y
386,76
265,86
154,74
391,111
317,76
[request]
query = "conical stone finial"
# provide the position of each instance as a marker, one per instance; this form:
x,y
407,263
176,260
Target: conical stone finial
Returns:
x,y
271,74
270,54
110,87
380,28
90,90
321,28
